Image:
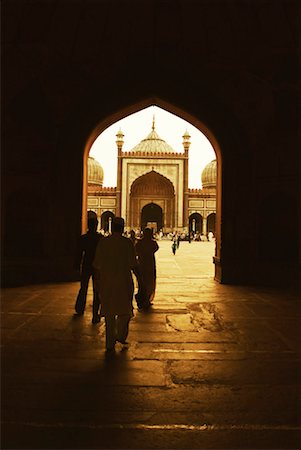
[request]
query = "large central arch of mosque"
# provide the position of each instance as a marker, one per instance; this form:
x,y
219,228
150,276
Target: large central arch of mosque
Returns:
x,y
149,189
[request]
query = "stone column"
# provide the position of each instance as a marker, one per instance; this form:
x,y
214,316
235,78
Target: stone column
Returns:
x,y
186,145
204,226
119,142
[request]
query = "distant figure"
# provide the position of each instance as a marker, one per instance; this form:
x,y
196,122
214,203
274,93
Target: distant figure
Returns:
x,y
178,240
83,261
174,245
146,270
210,236
114,260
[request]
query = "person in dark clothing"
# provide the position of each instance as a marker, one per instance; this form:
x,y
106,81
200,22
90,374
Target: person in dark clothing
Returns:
x,y
133,237
83,261
174,246
146,270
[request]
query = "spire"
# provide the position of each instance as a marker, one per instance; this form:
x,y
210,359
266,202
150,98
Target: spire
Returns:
x,y
153,126
119,140
186,141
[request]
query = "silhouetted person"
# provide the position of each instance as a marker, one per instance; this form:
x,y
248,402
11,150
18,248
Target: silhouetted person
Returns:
x,y
133,237
174,245
145,251
83,262
114,260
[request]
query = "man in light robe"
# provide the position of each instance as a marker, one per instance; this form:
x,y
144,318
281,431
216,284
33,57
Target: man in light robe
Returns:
x,y
113,263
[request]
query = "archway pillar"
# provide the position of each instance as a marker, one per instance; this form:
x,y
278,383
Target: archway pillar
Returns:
x,y
204,228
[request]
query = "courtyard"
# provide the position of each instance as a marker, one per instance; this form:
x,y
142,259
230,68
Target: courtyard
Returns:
x,y
209,366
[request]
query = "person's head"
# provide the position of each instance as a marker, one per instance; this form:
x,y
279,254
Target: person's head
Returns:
x,y
118,225
148,233
92,224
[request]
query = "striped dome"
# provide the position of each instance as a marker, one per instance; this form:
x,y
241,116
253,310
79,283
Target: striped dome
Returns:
x,y
95,172
153,143
209,175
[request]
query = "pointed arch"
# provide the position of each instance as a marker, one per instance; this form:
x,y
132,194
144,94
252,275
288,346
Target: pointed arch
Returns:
x,y
152,188
152,182
173,109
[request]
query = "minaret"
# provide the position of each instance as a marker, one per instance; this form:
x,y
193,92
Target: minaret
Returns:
x,y
186,145
119,143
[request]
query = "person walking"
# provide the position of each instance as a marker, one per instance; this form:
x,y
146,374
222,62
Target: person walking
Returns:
x,y
83,262
146,270
113,263
174,245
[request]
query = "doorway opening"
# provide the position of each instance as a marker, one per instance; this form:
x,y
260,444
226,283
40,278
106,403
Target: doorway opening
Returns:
x,y
159,185
152,217
106,221
195,223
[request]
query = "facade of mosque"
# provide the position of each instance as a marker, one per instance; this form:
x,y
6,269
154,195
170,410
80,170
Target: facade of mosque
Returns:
x,y
152,189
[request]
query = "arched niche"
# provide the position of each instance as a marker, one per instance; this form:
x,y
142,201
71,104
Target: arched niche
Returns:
x,y
211,223
195,223
105,219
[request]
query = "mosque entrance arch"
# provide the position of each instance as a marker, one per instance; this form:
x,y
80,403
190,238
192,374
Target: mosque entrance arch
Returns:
x,y
125,111
152,199
152,217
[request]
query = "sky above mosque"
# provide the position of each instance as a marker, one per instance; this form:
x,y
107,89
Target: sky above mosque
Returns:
x,y
137,126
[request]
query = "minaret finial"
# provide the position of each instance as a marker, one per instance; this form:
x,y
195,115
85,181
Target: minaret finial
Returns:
x,y
153,127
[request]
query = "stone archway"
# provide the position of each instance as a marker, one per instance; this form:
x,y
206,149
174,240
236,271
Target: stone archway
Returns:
x,y
152,216
195,223
152,188
105,220
194,120
211,223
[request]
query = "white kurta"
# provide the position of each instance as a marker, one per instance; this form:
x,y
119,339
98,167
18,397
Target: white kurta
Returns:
x,y
114,260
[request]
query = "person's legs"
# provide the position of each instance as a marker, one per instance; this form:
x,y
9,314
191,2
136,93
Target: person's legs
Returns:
x,y
110,322
96,303
82,295
122,323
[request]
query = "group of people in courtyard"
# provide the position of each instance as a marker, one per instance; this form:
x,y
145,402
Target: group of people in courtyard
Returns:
x,y
110,262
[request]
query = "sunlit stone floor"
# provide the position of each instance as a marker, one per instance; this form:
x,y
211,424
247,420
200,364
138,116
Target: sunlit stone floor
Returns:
x,y
210,366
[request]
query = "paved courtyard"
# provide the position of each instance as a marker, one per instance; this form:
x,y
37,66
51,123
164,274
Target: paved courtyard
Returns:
x,y
209,367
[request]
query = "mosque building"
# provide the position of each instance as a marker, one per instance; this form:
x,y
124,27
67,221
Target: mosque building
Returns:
x,y
152,189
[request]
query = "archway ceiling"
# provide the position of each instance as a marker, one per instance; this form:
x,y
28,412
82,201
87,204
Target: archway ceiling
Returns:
x,y
66,47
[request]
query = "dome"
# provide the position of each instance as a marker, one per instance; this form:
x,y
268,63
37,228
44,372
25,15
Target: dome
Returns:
x,y
95,172
209,175
153,144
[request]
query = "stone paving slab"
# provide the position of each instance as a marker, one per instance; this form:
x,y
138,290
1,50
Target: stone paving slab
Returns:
x,y
209,366
174,437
